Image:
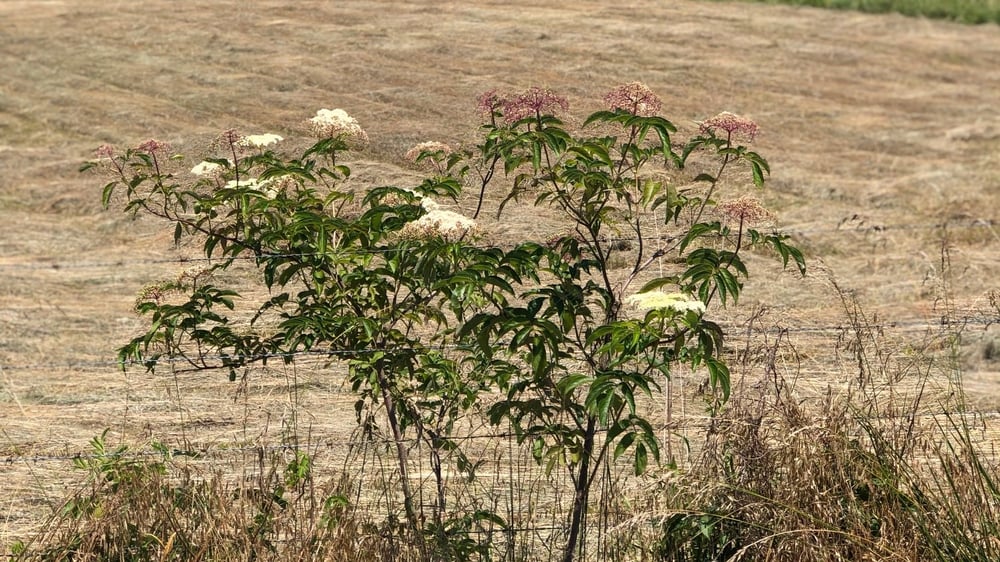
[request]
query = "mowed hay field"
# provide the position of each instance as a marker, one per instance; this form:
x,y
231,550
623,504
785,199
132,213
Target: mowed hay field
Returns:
x,y
882,131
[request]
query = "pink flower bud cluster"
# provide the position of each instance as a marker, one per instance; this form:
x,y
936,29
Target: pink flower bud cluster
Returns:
x,y
105,152
532,102
153,146
735,126
488,102
156,293
635,98
229,138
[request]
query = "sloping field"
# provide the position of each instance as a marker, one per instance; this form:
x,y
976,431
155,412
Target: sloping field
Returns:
x,y
883,135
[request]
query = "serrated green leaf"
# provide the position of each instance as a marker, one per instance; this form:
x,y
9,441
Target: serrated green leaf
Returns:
x,y
697,231
641,459
758,174
623,444
106,194
571,382
718,376
658,283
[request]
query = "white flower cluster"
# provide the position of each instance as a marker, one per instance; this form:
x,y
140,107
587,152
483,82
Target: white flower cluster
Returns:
x,y
252,183
438,222
260,141
678,302
331,123
207,169
263,186
431,147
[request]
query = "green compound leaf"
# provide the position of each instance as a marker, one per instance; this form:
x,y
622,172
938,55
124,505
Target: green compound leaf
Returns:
x,y
718,376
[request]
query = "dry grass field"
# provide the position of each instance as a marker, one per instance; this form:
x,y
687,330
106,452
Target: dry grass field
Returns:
x,y
882,131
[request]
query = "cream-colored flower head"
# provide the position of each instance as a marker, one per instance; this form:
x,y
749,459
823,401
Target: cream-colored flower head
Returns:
x,y
745,210
264,186
252,183
260,141
438,223
431,205
431,147
207,169
394,199
333,123
653,300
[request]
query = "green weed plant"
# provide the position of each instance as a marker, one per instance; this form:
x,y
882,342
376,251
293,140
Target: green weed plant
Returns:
x,y
964,11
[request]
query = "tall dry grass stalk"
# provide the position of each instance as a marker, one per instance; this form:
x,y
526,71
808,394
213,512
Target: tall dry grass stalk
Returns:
x,y
895,467
176,509
891,467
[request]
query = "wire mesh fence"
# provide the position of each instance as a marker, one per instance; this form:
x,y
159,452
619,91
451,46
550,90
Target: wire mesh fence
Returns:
x,y
302,403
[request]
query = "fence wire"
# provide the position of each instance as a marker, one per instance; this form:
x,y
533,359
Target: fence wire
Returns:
x,y
736,332
317,442
844,227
